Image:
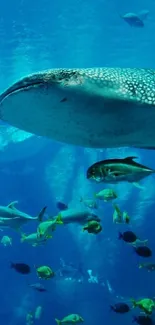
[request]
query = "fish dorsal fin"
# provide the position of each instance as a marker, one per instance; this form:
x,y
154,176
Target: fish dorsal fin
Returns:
x,y
130,158
12,205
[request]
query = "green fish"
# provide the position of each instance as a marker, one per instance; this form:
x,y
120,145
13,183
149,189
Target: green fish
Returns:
x,y
146,304
118,170
92,107
70,320
45,272
106,195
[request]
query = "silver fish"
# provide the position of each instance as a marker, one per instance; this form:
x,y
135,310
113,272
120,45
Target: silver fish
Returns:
x,y
79,216
38,287
118,170
96,107
133,20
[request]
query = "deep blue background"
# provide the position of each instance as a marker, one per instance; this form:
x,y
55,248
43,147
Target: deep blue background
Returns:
x,y
36,35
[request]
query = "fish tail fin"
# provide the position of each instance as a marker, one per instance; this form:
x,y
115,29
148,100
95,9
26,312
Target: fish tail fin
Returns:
x,y
145,242
41,214
58,321
85,227
133,301
38,233
120,236
59,220
112,307
127,220
23,237
143,14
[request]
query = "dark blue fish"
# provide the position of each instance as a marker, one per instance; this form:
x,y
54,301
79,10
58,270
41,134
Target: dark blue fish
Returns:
x,y
120,307
143,320
127,236
143,251
62,206
21,268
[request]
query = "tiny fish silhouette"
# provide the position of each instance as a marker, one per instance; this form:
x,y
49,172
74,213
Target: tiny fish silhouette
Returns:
x,y
38,287
62,206
120,307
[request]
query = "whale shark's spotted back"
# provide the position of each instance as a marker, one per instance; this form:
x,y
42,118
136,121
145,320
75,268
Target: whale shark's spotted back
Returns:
x,y
100,107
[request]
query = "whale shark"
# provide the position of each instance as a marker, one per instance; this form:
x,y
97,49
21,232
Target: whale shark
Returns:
x,y
91,107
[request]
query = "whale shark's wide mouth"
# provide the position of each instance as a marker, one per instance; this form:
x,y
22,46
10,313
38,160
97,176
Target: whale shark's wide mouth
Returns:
x,y
22,85
66,78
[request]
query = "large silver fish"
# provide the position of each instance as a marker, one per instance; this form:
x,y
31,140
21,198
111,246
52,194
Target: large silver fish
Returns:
x,y
79,216
118,170
98,107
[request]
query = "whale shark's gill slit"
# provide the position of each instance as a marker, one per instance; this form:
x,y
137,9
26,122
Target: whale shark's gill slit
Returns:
x,y
19,86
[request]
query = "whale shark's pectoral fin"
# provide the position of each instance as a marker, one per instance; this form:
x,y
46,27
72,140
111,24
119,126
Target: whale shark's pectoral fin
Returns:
x,y
12,205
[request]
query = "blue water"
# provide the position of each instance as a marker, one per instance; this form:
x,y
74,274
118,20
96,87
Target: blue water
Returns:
x,y
37,35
